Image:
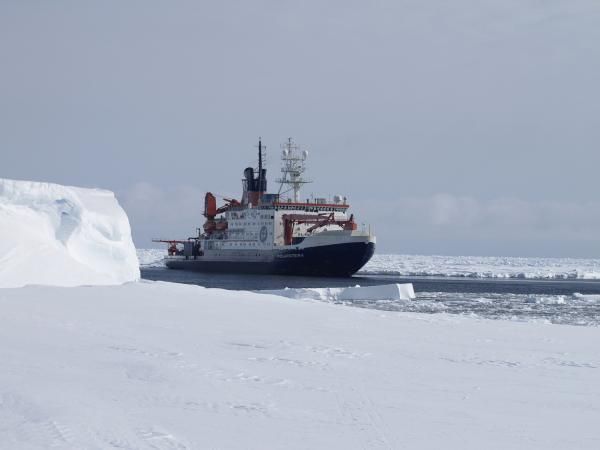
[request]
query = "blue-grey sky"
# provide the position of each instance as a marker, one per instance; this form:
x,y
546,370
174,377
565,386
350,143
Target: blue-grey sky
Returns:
x,y
454,127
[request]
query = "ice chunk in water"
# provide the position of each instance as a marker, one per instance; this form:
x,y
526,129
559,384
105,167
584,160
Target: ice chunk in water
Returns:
x,y
384,292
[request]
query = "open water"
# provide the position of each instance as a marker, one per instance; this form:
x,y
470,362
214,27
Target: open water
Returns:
x,y
560,301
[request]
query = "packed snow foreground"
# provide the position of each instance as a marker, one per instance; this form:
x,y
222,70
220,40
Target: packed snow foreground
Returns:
x,y
152,365
64,236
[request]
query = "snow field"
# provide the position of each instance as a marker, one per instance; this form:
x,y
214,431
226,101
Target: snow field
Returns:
x,y
165,366
65,236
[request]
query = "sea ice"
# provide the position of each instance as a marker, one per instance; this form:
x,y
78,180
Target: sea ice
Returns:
x,y
64,236
483,267
151,257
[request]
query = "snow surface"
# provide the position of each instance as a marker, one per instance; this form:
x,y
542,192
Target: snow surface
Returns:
x,y
390,292
454,266
66,236
154,365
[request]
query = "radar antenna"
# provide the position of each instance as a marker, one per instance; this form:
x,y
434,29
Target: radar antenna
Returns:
x,y
293,166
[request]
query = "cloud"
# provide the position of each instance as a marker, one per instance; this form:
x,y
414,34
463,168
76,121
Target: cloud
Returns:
x,y
468,225
502,217
156,212
438,223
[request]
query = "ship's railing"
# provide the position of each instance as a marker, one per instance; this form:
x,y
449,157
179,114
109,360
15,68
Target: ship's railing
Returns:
x,y
312,207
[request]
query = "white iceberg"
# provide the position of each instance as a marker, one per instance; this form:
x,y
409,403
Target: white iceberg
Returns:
x,y
64,236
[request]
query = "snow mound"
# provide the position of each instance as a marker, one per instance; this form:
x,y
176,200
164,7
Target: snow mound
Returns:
x,y
383,292
63,236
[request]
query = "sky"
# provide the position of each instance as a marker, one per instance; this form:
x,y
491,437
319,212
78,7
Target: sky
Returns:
x,y
467,127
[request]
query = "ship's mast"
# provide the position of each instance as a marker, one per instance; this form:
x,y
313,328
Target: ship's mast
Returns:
x,y
260,164
293,167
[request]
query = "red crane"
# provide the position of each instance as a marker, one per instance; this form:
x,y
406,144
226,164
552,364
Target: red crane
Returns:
x,y
211,211
319,221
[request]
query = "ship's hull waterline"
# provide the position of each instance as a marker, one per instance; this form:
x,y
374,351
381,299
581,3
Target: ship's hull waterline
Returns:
x,y
337,260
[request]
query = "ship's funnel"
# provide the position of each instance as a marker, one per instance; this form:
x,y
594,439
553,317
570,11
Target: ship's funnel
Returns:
x,y
249,176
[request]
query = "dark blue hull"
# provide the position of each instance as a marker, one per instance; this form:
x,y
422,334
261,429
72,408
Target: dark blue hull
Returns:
x,y
340,260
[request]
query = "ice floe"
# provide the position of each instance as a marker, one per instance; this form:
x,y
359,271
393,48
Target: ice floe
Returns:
x,y
383,292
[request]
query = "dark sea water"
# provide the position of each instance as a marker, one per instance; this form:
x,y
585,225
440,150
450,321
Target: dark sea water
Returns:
x,y
574,302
